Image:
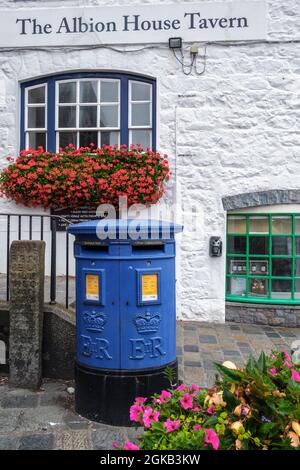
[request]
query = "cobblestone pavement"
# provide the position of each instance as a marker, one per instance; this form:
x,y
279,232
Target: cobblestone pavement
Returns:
x,y
46,419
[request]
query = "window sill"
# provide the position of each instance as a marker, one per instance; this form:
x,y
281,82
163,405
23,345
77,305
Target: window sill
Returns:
x,y
262,304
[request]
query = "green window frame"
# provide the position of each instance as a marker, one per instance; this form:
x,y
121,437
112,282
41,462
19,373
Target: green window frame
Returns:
x,y
263,258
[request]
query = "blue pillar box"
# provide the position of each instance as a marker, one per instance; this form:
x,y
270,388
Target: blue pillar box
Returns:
x,y
125,314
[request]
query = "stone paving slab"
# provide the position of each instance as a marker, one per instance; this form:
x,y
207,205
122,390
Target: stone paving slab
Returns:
x,y
201,344
46,419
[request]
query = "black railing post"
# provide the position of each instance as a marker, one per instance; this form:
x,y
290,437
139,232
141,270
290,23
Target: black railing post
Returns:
x,y
19,227
67,269
7,258
42,227
53,263
30,227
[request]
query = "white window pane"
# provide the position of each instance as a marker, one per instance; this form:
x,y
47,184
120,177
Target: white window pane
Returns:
x,y
110,138
67,92
88,92
109,92
140,91
36,117
37,95
87,138
67,116
140,114
109,116
141,137
88,116
66,138
37,139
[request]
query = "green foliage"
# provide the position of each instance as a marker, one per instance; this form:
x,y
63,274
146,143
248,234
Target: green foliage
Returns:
x,y
229,374
169,373
261,363
255,408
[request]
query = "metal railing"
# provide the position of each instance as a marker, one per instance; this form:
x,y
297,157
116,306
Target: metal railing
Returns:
x,y
18,218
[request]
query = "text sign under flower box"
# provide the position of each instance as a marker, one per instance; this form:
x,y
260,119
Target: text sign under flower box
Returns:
x,y
73,216
138,24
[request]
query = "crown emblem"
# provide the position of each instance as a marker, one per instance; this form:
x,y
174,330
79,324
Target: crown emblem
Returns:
x,y
94,321
147,323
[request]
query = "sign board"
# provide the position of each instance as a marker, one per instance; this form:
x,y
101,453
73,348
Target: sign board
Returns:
x,y
74,216
237,267
238,286
138,24
149,287
259,267
92,287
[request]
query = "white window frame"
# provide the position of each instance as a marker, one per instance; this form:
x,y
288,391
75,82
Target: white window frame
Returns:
x,y
36,105
131,102
78,104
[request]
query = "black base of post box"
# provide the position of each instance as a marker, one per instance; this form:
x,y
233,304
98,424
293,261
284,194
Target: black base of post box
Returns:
x,y
105,396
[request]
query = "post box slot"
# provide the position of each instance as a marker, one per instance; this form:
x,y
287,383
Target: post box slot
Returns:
x,y
102,248
148,247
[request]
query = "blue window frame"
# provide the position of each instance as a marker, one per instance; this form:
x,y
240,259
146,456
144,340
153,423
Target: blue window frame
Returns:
x,y
81,108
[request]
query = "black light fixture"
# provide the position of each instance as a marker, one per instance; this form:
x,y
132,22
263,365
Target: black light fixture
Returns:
x,y
215,246
175,43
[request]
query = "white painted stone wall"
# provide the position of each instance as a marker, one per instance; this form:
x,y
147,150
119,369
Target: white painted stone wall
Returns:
x,y
233,129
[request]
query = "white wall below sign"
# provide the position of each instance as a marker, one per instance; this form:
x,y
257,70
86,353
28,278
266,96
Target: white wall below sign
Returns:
x,y
231,130
194,22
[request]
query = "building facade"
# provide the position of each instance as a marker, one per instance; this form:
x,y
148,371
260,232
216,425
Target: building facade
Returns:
x,y
228,120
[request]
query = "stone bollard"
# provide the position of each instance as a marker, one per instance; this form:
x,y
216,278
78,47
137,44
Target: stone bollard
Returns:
x,y
27,272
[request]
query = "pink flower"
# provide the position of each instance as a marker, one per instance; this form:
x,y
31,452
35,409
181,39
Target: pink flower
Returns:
x,y
172,425
195,388
140,400
272,371
135,413
196,408
197,427
130,446
149,416
186,401
156,401
295,375
287,356
182,387
288,364
211,410
164,395
211,438
116,445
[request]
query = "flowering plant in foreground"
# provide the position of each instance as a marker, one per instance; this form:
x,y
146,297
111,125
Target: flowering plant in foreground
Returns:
x,y
87,176
257,407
